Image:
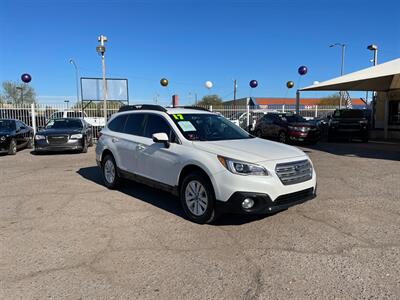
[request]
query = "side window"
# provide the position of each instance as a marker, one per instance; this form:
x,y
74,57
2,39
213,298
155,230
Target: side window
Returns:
x,y
268,119
74,114
156,124
118,123
134,124
57,115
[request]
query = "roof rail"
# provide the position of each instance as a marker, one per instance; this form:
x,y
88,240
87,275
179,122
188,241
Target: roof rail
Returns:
x,y
142,107
194,107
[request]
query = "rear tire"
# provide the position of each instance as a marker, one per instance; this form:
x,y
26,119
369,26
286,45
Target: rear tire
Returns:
x,y
91,142
110,173
85,146
12,150
197,198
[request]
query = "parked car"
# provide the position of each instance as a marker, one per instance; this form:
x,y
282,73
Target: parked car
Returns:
x,y
349,123
64,134
93,121
287,127
211,164
14,135
240,119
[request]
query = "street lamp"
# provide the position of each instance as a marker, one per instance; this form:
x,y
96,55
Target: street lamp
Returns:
x,y
22,94
71,61
374,48
101,49
341,67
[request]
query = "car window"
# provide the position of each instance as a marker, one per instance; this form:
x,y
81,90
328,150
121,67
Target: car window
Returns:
x,y
57,115
157,124
118,123
64,124
134,124
7,125
269,119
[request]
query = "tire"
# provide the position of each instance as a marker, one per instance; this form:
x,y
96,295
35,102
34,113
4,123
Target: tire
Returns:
x,y
29,145
85,146
197,198
91,142
12,150
282,137
109,172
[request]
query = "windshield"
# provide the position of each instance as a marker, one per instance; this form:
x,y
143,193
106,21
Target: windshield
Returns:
x,y
208,127
7,125
64,124
349,113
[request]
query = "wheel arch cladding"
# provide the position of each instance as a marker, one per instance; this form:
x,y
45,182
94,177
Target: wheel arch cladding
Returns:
x,y
193,168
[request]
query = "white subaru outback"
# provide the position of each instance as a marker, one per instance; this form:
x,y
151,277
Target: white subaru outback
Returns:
x,y
211,164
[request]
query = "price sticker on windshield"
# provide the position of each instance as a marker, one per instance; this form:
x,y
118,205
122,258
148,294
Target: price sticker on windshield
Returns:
x,y
186,126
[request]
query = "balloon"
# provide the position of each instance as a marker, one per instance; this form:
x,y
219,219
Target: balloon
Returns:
x,y
253,83
315,82
303,70
208,84
290,84
164,81
26,78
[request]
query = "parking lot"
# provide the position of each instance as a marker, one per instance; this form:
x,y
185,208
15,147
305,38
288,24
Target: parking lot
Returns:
x,y
64,235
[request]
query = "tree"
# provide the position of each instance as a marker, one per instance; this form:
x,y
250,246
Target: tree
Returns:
x,y
11,93
208,100
333,99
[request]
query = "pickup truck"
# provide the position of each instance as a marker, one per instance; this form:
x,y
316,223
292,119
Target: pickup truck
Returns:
x,y
93,121
349,123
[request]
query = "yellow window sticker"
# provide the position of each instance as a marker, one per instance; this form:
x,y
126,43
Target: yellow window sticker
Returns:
x,y
178,117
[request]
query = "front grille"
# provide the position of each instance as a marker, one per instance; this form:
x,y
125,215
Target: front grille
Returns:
x,y
294,197
294,172
57,139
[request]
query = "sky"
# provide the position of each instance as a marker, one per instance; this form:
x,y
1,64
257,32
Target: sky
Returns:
x,y
190,42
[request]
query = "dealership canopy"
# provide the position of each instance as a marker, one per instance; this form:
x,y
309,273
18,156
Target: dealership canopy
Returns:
x,y
383,77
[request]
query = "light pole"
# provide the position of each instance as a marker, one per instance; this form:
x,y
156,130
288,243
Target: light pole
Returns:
x,y
71,61
374,48
101,49
22,94
343,46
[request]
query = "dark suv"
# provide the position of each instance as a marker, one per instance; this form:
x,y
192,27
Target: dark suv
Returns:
x,y
349,123
287,127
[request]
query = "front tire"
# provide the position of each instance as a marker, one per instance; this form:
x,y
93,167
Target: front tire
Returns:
x,y
85,146
197,198
13,147
282,137
109,172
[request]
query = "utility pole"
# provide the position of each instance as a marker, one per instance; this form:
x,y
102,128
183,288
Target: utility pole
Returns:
x,y
101,49
374,48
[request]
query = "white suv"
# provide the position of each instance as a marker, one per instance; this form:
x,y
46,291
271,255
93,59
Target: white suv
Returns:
x,y
210,163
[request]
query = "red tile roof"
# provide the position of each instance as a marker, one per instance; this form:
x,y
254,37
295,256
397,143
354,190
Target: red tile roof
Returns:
x,y
303,101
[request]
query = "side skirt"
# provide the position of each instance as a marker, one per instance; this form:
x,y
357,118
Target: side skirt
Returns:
x,y
149,182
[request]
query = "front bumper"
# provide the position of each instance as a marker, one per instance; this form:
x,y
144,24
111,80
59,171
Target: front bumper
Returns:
x,y
263,203
309,136
44,146
4,146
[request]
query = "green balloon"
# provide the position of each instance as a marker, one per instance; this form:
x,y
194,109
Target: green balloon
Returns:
x,y
164,81
290,84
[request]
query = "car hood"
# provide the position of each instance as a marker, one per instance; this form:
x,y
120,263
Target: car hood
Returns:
x,y
59,131
251,150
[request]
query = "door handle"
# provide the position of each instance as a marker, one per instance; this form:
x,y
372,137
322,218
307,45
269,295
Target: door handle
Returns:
x,y
114,140
141,147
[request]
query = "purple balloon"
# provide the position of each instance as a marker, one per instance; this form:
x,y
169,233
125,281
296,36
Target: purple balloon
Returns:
x,y
26,78
303,70
253,83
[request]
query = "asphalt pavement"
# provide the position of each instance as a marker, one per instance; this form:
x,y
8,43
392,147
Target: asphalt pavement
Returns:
x,y
63,235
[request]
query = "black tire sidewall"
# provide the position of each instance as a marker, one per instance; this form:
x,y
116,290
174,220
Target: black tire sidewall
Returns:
x,y
12,148
284,134
209,215
84,146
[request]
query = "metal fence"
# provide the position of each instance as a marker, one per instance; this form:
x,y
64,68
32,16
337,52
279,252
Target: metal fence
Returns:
x,y
37,115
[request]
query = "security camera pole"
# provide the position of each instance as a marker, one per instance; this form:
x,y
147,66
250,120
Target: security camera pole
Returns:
x,y
101,49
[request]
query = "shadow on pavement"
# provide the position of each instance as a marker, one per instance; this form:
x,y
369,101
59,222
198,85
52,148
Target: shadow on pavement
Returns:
x,y
373,150
160,199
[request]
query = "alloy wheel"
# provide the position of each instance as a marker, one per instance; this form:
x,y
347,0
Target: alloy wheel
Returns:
x,y
196,198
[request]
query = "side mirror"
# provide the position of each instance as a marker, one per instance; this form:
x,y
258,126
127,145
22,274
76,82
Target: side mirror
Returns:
x,y
161,137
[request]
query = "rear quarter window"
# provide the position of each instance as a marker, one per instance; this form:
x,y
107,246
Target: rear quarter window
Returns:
x,y
118,123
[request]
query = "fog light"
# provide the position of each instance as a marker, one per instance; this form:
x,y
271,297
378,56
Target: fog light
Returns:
x,y
248,203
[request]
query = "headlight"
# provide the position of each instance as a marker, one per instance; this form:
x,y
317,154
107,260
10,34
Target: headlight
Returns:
x,y
241,167
76,136
39,137
364,122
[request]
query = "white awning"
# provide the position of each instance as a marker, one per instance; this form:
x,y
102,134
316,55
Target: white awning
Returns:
x,y
382,77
